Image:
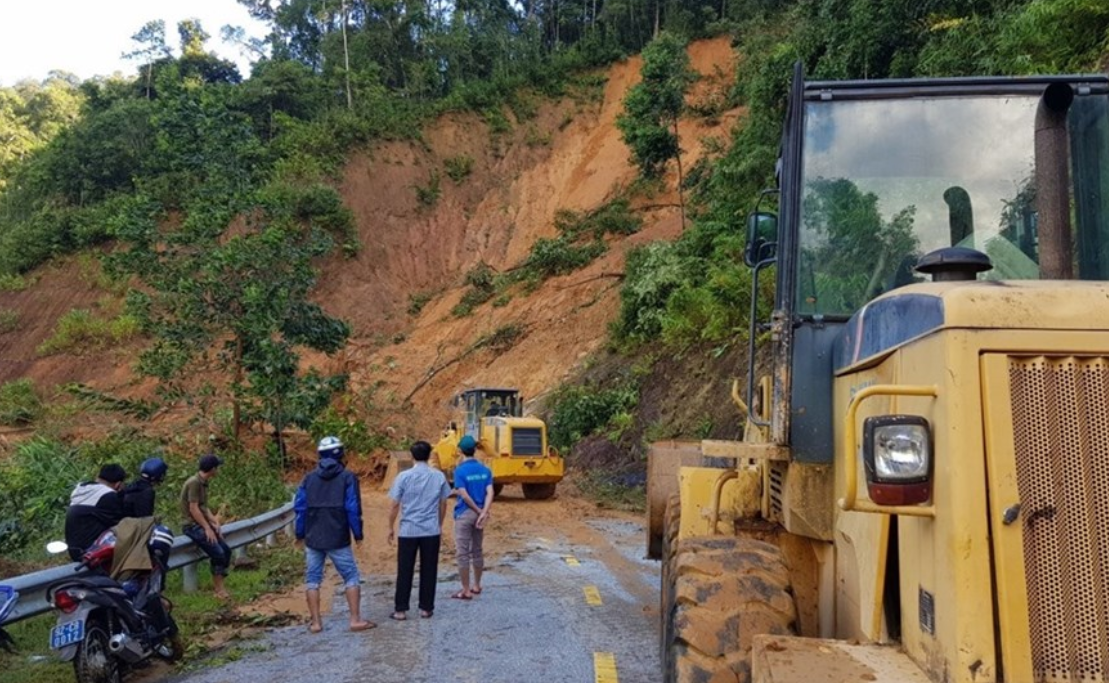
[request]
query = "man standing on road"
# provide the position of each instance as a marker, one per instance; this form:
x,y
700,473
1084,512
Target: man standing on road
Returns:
x,y
474,488
329,512
94,507
420,495
202,526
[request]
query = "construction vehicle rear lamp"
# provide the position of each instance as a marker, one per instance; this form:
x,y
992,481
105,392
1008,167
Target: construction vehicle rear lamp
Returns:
x,y
897,459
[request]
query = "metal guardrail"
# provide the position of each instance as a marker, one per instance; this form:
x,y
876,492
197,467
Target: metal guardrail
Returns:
x,y
32,587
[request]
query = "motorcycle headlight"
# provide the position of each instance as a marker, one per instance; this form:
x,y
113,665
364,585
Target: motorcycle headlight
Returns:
x,y
898,459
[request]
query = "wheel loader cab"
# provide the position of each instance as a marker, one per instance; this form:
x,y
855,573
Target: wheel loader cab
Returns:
x,y
924,470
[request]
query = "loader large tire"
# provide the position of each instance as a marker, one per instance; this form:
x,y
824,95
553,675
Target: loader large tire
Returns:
x,y
538,491
664,460
669,541
726,591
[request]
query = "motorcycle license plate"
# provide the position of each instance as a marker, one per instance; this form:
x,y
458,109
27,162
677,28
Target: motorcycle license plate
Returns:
x,y
67,634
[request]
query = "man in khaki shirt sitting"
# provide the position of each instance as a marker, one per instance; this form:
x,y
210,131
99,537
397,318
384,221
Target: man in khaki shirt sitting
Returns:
x,y
202,526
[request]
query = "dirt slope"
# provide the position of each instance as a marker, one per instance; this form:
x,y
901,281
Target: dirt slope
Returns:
x,y
569,156
494,216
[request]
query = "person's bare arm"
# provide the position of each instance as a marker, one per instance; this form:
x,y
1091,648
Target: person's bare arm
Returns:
x,y
203,520
462,493
443,511
484,513
395,508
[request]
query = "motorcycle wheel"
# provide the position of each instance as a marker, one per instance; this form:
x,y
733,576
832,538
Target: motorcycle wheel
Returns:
x,y
93,662
174,641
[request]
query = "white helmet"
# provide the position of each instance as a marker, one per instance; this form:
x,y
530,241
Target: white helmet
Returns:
x,y
330,447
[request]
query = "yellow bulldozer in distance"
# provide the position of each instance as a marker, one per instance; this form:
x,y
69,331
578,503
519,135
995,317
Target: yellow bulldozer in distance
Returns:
x,y
921,491
512,444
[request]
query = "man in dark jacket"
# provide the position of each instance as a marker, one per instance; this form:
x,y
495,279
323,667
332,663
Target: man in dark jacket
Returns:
x,y
94,507
138,497
329,512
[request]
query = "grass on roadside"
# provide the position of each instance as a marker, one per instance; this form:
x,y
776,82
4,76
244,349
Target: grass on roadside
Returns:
x,y
612,492
198,615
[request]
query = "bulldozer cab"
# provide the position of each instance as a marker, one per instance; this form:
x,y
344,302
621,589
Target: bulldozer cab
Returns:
x,y
477,404
874,175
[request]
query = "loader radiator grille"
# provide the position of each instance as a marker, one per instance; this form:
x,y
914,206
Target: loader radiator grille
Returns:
x,y
1061,424
528,441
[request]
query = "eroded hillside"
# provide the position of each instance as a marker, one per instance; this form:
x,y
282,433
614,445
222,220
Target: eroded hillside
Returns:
x,y
569,155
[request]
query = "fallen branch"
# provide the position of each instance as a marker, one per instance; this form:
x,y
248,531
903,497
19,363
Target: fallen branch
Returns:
x,y
601,276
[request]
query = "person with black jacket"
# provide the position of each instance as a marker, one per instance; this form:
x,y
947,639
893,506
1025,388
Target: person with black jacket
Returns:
x,y
138,497
94,507
329,512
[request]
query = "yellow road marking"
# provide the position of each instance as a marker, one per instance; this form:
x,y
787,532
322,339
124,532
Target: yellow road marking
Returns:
x,y
593,597
571,562
605,668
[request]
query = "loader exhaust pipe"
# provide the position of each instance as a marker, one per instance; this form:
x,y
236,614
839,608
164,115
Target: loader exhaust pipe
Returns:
x,y
1051,173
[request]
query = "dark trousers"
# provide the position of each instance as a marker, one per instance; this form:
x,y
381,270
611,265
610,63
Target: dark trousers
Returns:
x,y
219,553
407,549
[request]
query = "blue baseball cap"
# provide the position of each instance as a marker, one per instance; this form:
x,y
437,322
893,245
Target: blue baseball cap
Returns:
x,y
467,444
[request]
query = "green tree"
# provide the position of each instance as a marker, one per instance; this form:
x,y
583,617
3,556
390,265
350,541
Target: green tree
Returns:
x,y
649,124
152,48
234,303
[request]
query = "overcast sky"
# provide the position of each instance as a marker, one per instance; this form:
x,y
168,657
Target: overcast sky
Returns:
x,y
86,38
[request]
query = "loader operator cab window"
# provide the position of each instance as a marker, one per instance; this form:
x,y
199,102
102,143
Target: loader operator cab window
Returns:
x,y
885,181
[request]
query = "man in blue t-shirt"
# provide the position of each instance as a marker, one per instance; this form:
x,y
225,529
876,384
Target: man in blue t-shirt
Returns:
x,y
474,488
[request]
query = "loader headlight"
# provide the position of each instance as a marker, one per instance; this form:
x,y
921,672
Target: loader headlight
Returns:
x,y
898,459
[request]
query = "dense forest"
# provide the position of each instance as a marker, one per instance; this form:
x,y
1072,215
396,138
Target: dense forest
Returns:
x,y
215,190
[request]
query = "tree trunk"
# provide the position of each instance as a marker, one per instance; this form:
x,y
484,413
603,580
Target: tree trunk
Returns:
x,y
346,57
238,381
679,163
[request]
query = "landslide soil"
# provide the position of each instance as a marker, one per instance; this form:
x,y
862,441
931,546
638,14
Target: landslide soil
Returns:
x,y
404,368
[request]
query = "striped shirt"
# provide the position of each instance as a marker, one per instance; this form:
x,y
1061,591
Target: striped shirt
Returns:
x,y
420,491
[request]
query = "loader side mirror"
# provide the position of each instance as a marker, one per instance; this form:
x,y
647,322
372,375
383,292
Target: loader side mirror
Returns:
x,y
763,230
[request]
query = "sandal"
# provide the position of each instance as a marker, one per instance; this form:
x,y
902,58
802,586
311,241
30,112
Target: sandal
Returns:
x,y
398,616
461,595
315,628
476,591
425,614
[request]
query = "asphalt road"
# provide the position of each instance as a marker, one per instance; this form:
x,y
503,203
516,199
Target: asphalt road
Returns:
x,y
575,604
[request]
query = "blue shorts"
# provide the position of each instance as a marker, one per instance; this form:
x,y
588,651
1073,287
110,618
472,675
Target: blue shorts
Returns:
x,y
343,559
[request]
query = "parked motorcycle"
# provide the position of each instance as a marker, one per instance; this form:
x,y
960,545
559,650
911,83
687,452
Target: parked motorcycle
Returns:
x,y
116,618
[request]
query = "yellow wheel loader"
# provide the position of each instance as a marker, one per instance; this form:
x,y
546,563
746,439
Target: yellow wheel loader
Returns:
x,y
921,491
512,444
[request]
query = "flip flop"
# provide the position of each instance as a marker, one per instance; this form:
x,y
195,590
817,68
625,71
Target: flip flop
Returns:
x,y
461,595
476,591
315,628
425,614
365,626
398,616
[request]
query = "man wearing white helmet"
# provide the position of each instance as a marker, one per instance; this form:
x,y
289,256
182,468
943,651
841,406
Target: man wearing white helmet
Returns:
x,y
329,513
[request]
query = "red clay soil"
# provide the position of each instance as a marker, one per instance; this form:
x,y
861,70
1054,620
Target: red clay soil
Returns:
x,y
570,156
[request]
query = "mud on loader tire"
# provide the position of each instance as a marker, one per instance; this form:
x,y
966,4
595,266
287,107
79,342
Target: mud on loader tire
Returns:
x,y
721,593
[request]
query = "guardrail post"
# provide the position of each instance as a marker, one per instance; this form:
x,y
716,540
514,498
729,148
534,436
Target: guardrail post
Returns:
x,y
289,530
189,578
271,540
239,553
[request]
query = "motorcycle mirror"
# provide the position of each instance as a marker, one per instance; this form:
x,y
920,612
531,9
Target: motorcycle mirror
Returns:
x,y
55,547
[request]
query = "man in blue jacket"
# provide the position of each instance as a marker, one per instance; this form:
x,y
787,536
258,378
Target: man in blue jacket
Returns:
x,y
329,513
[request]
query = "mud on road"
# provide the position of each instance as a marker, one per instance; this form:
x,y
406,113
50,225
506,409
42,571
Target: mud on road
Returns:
x,y
566,589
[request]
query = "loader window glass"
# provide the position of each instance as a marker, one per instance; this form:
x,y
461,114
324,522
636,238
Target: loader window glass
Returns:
x,y
886,181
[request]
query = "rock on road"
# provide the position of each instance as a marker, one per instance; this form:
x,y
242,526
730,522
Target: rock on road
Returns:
x,y
566,595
